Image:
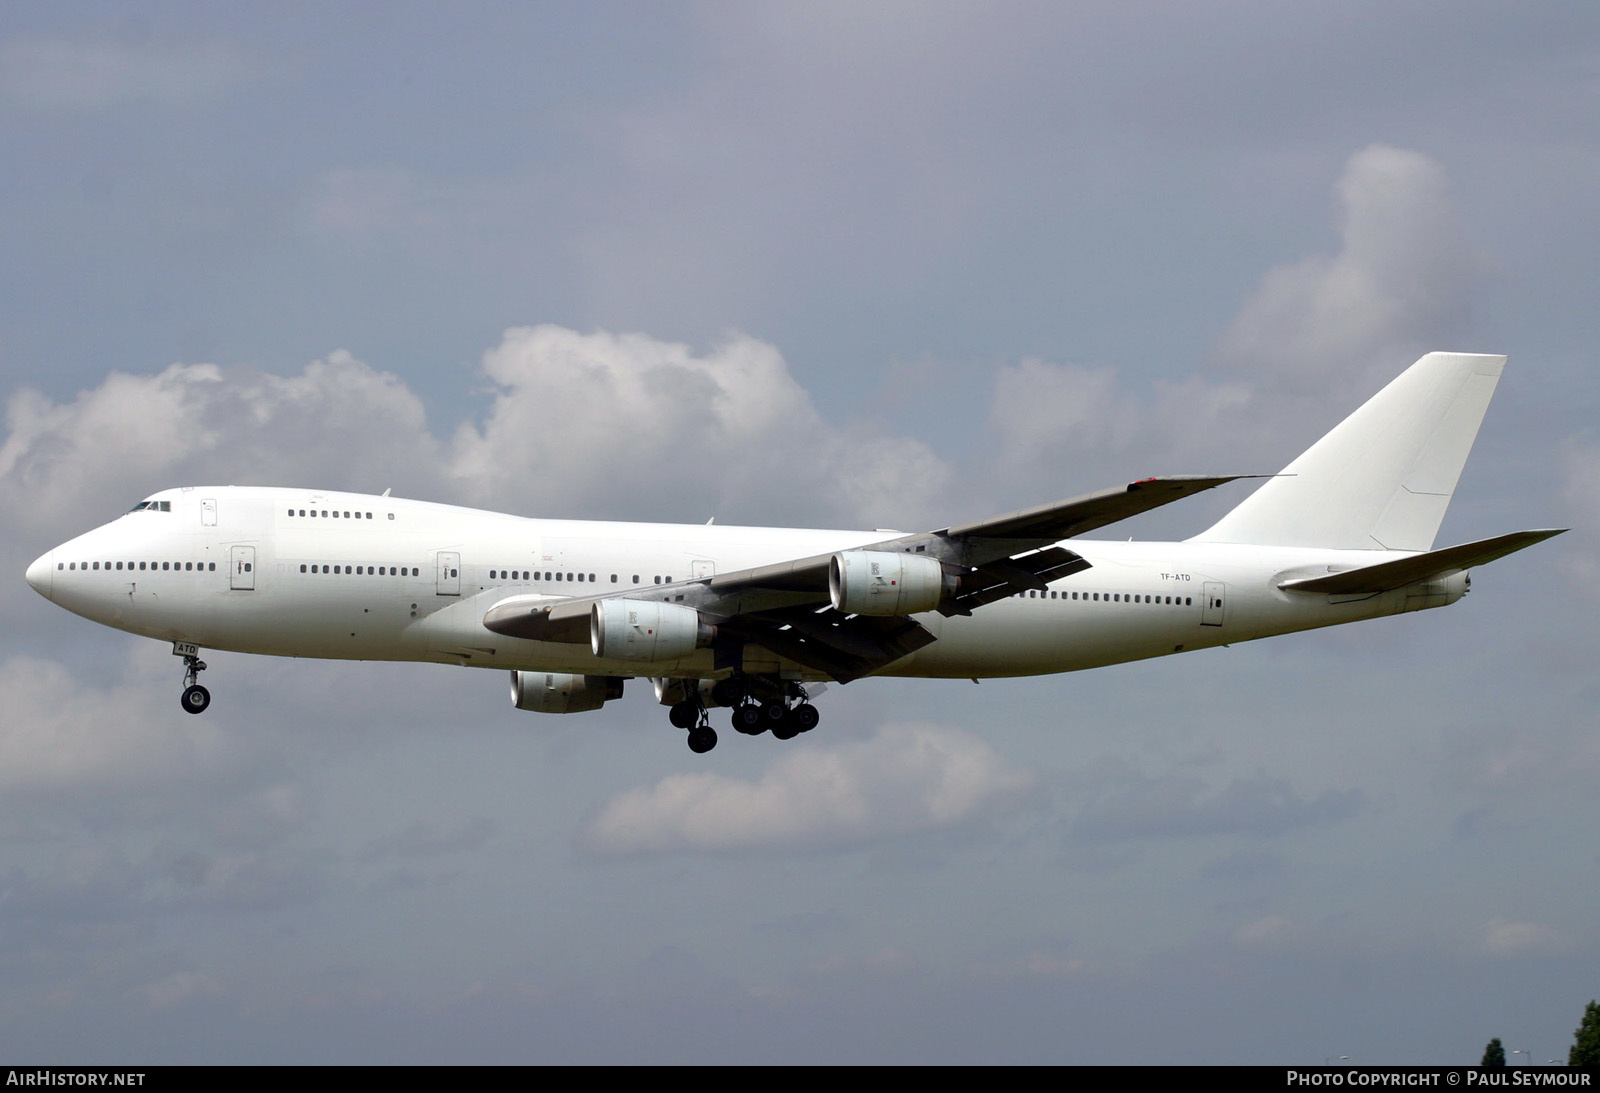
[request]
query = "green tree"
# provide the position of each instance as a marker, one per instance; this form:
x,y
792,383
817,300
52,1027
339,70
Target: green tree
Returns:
x,y
1586,1044
1494,1054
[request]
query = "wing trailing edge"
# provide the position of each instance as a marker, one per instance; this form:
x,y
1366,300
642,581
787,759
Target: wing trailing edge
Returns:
x,y
1065,519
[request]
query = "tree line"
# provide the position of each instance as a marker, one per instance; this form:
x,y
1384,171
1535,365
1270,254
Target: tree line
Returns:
x,y
1585,1043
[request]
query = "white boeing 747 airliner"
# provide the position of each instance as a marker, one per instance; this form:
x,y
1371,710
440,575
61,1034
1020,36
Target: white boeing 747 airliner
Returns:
x,y
746,617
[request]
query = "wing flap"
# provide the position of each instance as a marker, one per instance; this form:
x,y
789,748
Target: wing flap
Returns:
x,y
996,580
845,647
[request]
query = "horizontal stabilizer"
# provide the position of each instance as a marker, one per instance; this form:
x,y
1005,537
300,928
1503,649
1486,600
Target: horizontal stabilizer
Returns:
x,y
1419,567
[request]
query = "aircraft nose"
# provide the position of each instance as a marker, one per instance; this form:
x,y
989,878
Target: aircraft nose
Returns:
x,y
41,573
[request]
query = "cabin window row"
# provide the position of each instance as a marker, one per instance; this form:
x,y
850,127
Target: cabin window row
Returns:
x,y
336,513
558,575
184,566
1111,597
365,570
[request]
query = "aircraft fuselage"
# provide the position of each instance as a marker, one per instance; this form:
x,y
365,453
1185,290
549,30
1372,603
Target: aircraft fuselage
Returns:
x,y
292,572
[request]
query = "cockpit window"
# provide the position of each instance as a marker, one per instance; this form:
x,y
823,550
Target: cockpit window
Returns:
x,y
152,506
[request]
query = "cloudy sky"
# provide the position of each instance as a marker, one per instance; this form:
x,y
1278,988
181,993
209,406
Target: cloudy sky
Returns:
x,y
881,265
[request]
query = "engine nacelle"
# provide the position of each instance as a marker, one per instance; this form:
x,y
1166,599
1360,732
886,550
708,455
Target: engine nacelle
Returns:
x,y
646,630
877,582
559,692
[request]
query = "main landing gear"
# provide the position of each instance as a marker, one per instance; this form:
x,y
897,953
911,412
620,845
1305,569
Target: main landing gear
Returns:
x,y
195,698
782,707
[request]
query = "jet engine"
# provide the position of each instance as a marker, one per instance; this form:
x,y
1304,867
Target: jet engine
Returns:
x,y
559,692
646,630
877,582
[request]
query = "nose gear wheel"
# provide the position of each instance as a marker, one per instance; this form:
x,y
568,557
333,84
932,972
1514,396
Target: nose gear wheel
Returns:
x,y
195,698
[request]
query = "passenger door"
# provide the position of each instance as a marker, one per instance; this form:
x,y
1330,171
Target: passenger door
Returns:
x,y
1212,609
242,568
448,568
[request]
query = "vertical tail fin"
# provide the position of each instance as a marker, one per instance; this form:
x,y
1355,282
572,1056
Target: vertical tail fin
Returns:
x,y
1382,479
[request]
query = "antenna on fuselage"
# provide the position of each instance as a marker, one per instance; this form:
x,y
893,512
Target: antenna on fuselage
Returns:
x,y
385,493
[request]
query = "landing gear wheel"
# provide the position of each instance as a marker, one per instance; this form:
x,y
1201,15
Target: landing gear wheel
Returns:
x,y
748,720
683,715
727,692
774,712
702,739
786,729
195,699
804,717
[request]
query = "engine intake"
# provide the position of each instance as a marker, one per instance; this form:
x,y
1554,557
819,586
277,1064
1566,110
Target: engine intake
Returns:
x,y
877,582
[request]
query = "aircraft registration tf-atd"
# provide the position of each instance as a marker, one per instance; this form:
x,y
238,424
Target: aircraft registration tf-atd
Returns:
x,y
747,617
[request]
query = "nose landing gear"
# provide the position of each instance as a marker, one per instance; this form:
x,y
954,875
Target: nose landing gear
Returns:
x,y
195,698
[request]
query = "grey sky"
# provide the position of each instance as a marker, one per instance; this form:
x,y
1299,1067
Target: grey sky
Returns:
x,y
864,265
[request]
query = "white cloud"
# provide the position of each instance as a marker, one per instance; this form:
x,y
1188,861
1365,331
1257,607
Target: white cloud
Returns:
x,y
1402,283
636,421
606,424
62,734
1319,334
58,457
579,424
337,424
905,778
